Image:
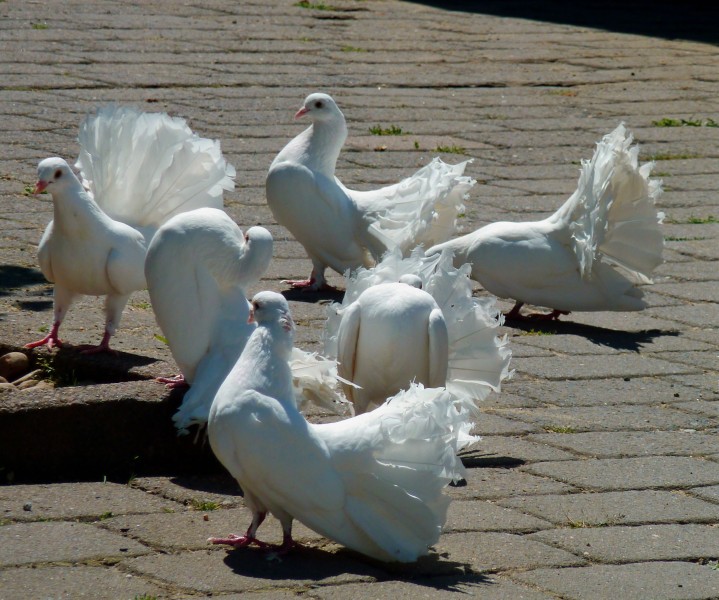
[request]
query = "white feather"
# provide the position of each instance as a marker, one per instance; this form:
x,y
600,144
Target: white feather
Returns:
x,y
590,254
346,229
372,483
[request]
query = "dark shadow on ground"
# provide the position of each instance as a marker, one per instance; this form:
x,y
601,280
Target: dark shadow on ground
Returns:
x,y
691,20
312,297
219,483
316,565
14,276
481,460
613,338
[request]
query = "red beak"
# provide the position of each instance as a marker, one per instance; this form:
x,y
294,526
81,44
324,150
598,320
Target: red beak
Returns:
x,y
40,187
302,112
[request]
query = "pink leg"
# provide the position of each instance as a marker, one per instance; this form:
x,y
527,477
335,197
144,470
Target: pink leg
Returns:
x,y
103,346
287,545
176,382
514,314
246,540
50,339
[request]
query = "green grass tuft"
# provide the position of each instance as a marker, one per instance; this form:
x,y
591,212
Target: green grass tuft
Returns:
x,y
559,429
669,122
451,149
314,5
203,505
391,130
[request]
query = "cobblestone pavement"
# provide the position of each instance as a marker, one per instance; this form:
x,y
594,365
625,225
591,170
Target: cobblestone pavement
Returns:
x,y
598,473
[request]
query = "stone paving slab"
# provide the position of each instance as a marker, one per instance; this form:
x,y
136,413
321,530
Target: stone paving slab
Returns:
x,y
631,473
631,507
69,582
29,543
636,544
615,444
655,580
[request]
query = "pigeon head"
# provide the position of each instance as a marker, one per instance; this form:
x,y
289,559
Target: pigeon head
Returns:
x,y
320,107
53,174
411,280
271,307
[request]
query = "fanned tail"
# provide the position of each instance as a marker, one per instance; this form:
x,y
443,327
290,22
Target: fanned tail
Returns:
x,y
144,168
420,210
478,358
396,501
613,214
315,380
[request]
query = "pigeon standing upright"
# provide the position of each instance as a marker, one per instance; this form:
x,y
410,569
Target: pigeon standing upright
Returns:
x,y
372,483
345,229
590,255
138,169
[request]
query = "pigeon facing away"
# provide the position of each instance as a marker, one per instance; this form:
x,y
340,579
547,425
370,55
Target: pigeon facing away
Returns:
x,y
345,229
589,255
387,333
140,170
198,268
372,483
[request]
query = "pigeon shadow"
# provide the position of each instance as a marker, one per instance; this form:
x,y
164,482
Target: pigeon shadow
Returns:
x,y
13,277
691,20
74,368
601,336
317,566
476,460
220,483
313,296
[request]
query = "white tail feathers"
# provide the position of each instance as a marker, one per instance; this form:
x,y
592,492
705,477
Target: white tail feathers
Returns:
x,y
478,358
315,380
143,168
397,500
613,214
419,210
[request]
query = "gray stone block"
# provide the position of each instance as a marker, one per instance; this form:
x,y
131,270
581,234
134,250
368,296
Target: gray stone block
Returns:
x,y
655,580
616,508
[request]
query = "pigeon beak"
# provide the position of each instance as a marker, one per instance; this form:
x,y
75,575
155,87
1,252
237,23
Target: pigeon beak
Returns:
x,y
302,112
40,186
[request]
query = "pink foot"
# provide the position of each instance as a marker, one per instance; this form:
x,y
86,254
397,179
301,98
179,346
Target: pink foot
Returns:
x,y
50,340
103,346
238,541
288,544
309,285
176,382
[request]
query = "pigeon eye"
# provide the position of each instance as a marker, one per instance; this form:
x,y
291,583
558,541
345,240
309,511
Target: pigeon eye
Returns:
x,y
58,174
318,104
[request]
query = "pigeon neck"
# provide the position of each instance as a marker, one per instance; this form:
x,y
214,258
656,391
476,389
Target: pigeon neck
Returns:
x,y
264,365
322,144
74,210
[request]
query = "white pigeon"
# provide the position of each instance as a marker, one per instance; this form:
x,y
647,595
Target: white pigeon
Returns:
x,y
345,229
198,268
590,255
138,169
372,483
387,333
